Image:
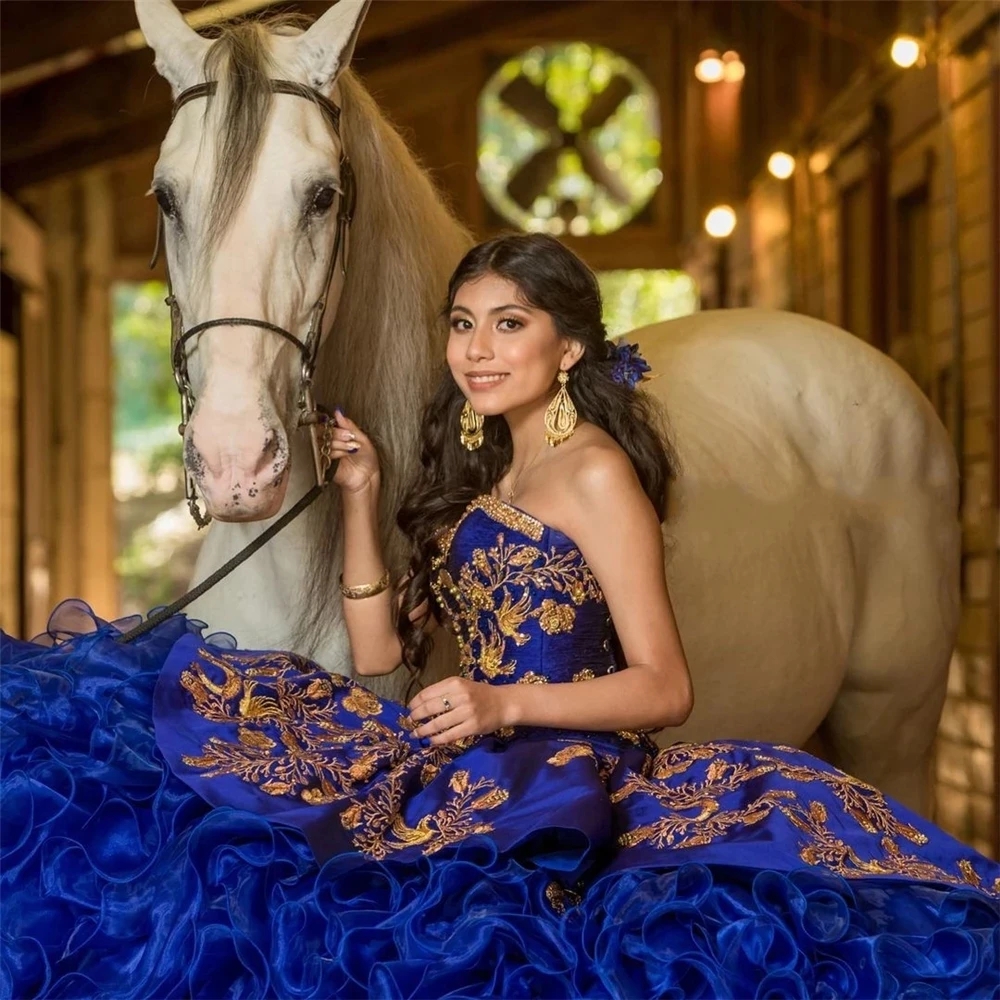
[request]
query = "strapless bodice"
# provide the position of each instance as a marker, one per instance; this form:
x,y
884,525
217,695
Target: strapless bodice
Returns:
x,y
520,599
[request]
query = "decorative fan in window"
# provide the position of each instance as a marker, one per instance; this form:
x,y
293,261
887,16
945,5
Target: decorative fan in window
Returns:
x,y
569,138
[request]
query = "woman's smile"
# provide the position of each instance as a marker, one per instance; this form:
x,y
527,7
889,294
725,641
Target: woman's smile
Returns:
x,y
484,381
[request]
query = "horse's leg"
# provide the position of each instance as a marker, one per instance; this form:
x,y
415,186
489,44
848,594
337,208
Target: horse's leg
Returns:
x,y
884,720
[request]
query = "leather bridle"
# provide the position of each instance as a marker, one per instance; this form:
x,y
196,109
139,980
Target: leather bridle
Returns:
x,y
311,415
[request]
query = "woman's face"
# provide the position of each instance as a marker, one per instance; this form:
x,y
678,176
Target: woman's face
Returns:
x,y
502,353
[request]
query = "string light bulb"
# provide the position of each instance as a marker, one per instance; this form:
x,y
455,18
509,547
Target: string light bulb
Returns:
x,y
905,51
819,162
733,69
781,165
720,222
709,68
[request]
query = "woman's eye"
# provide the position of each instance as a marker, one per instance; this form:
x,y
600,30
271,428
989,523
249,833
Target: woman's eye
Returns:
x,y
460,324
509,323
322,200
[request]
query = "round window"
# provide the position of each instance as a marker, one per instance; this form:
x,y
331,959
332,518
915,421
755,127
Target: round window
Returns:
x,y
569,140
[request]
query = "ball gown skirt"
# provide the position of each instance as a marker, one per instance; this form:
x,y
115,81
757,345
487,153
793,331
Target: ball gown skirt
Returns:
x,y
182,818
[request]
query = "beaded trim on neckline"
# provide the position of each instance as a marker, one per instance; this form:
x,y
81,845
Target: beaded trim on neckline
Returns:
x,y
500,511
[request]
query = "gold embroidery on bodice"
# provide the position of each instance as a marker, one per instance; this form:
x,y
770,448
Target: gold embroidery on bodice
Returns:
x,y
495,592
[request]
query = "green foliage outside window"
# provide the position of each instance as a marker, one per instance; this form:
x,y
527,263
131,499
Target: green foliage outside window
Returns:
x,y
157,541
637,298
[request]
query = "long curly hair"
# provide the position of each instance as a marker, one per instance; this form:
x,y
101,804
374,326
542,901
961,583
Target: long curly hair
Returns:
x,y
552,278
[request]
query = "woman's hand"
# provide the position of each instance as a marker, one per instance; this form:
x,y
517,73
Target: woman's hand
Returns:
x,y
357,468
457,707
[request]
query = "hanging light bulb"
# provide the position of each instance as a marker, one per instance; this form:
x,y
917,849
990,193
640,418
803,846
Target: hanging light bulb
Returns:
x,y
905,51
781,165
709,68
720,222
819,161
733,69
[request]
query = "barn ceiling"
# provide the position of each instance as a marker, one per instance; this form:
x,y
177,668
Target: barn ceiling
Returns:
x,y
75,90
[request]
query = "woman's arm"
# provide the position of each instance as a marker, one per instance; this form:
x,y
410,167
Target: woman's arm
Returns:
x,y
371,621
371,626
612,521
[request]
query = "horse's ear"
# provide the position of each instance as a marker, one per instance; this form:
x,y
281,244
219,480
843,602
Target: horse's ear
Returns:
x,y
326,48
179,49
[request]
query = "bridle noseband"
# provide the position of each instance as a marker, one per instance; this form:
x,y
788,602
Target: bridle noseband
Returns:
x,y
311,415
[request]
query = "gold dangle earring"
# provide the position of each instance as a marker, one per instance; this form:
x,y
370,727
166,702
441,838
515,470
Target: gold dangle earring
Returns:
x,y
560,414
471,427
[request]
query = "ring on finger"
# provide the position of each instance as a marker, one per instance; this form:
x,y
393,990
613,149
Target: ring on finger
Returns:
x,y
447,704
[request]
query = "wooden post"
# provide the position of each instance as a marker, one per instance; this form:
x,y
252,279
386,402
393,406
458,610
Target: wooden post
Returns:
x,y
24,260
56,206
98,544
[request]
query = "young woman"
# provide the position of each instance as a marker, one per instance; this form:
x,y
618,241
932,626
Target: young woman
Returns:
x,y
511,831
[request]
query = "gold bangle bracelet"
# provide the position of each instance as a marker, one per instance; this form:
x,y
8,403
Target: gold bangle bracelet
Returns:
x,y
364,589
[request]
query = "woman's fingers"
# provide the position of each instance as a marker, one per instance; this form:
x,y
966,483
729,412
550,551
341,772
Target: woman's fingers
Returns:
x,y
345,423
439,723
434,701
342,448
458,732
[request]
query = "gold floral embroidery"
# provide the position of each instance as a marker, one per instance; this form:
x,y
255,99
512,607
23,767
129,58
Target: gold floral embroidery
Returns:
x,y
362,703
489,598
286,739
584,675
564,756
554,617
831,852
559,897
381,829
511,615
692,813
491,650
711,822
530,677
604,762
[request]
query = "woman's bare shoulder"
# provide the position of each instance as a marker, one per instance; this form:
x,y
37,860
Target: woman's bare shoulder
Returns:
x,y
596,475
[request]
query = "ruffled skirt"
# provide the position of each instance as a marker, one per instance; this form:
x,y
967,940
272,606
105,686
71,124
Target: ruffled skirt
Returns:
x,y
116,879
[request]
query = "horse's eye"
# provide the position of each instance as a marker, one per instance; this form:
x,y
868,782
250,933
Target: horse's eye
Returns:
x,y
322,200
165,202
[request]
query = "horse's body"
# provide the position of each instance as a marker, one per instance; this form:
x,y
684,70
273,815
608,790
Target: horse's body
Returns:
x,y
812,541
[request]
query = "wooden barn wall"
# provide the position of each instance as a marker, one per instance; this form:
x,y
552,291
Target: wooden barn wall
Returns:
x,y
439,116
868,244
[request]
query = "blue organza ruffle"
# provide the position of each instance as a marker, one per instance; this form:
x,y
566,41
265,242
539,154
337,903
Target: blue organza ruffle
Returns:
x,y
118,880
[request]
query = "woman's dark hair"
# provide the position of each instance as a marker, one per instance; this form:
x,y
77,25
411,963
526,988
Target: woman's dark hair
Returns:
x,y
552,278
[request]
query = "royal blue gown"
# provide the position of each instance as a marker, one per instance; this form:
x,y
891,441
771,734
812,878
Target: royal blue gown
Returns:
x,y
185,819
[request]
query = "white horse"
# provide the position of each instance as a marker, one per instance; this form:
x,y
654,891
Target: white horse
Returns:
x,y
813,539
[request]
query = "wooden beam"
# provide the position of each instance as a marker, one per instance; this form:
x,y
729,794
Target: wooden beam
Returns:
x,y
82,153
34,31
80,106
84,31
120,105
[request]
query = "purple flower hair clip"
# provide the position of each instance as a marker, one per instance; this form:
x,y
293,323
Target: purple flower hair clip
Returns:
x,y
629,367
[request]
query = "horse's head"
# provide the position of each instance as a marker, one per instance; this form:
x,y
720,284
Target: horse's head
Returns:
x,y
250,202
